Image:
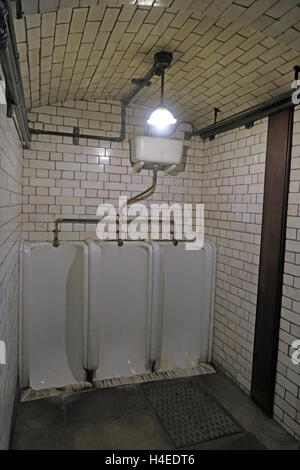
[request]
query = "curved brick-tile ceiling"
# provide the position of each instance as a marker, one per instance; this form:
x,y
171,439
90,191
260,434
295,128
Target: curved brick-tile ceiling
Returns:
x,y
230,54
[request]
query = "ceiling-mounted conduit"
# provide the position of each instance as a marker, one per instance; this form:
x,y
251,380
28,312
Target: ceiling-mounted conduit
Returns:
x,y
9,58
76,135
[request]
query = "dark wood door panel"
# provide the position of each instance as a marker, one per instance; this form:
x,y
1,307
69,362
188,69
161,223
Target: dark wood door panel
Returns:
x,y
278,155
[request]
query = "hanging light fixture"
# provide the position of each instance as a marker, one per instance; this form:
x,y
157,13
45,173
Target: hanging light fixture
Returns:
x,y
161,117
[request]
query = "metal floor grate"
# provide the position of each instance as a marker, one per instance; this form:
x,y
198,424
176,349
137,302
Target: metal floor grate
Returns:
x,y
188,414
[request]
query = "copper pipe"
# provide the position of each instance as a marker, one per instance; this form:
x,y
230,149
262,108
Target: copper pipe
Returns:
x,y
142,195
145,193
139,197
60,220
69,221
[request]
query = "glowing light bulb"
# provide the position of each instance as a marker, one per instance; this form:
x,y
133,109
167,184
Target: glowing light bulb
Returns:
x,y
161,118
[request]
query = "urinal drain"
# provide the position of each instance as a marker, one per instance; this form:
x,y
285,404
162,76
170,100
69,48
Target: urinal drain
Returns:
x,y
189,414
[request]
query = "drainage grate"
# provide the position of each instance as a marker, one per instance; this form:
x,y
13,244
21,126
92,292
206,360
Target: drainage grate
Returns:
x,y
188,414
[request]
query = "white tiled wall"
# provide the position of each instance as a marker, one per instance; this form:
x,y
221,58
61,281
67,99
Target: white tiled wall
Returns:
x,y
287,397
62,179
10,234
233,178
226,174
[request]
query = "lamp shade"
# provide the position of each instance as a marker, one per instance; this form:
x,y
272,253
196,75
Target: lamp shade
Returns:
x,y
161,118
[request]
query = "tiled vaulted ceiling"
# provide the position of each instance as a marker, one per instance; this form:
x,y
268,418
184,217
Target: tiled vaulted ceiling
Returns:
x,y
229,54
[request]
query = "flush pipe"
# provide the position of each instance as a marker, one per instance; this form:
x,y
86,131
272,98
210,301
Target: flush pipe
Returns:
x,y
139,197
146,193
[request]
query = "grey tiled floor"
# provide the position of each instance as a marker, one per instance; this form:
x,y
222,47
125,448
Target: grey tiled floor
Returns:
x,y
120,418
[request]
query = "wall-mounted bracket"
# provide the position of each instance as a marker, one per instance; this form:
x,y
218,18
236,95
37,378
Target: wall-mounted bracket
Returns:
x,y
76,135
19,9
216,112
295,84
187,135
10,109
249,115
140,82
249,125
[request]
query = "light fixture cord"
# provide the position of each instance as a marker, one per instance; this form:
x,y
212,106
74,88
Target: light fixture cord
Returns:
x,y
162,89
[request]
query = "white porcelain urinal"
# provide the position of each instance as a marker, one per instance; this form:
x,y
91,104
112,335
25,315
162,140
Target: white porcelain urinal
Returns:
x,y
120,286
187,305
55,309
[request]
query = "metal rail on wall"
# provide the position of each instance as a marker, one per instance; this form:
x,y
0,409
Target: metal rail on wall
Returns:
x,y
245,118
9,58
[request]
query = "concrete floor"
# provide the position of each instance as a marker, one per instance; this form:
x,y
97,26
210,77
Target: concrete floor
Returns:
x,y
120,418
